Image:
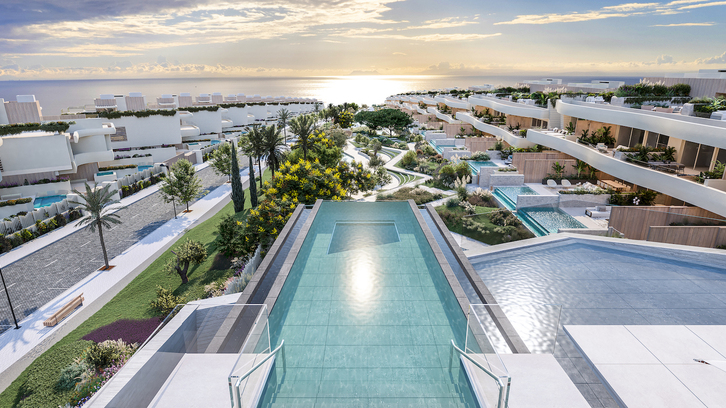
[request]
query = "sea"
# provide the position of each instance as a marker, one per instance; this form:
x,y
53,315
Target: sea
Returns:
x,y
58,95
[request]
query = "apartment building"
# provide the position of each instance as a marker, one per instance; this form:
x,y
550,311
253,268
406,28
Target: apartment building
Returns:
x,y
699,142
25,109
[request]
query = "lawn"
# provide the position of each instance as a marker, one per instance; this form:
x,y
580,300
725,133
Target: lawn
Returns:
x,y
35,387
453,218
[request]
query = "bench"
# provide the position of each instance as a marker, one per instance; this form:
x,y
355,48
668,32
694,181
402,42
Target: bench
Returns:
x,y
64,311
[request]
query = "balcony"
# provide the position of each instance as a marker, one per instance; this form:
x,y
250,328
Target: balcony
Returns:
x,y
689,191
697,130
456,103
510,108
190,131
513,140
227,123
446,118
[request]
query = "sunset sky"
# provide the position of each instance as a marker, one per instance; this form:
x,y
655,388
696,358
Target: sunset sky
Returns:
x,y
188,38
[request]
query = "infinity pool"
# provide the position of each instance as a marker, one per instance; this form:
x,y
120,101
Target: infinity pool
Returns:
x,y
46,201
475,165
550,220
367,316
508,195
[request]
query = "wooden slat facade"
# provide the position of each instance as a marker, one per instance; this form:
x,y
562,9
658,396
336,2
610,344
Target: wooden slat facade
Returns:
x,y
709,237
634,222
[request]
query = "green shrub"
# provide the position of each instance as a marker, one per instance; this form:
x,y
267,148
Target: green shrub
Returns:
x,y
100,355
409,159
165,301
447,174
26,235
452,202
71,374
462,169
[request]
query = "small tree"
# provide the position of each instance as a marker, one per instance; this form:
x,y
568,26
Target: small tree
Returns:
x,y
255,147
253,185
182,184
222,160
95,203
190,252
238,192
303,126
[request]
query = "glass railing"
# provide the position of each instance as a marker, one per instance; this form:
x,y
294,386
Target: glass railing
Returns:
x,y
537,326
248,376
488,375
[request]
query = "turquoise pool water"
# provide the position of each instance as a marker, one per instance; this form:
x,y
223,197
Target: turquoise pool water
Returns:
x,y
549,219
41,202
104,173
508,195
367,316
142,168
437,148
475,165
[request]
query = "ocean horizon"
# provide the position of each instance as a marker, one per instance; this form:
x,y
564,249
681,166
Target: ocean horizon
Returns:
x,y
58,95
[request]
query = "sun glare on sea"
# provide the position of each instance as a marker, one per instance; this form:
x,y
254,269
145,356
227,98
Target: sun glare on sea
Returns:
x,y
368,89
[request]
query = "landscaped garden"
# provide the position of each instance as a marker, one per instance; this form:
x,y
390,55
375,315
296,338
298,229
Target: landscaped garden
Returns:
x,y
417,194
129,316
477,217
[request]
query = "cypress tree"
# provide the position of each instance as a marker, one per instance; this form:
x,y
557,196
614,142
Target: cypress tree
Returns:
x,y
238,192
253,186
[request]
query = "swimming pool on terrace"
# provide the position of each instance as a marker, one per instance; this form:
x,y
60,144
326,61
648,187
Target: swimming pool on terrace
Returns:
x,y
367,316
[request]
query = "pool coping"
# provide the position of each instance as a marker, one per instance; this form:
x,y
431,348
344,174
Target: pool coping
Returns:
x,y
266,264
510,335
221,338
274,292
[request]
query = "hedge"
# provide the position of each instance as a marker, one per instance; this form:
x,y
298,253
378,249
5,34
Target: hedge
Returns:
x,y
128,166
15,202
16,128
139,114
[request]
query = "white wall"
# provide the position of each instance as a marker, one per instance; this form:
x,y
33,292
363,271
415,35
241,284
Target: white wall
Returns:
x,y
260,112
149,131
207,121
237,115
24,154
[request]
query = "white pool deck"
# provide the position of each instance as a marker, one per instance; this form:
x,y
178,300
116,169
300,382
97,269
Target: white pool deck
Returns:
x,y
538,381
653,366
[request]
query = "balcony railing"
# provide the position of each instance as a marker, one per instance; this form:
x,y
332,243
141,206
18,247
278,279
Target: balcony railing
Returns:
x,y
667,183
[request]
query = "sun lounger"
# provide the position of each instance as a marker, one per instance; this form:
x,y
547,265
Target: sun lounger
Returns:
x,y
600,211
551,183
566,183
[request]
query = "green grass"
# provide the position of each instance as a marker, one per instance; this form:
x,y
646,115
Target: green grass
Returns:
x,y
35,387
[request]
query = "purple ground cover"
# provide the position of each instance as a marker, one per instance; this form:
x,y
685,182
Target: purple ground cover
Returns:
x,y
130,331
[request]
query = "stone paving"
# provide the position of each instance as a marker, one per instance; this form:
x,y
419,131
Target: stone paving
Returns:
x,y
38,278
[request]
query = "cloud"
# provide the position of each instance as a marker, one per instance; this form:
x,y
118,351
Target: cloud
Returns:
x,y
664,59
685,25
710,4
431,37
448,22
719,59
621,10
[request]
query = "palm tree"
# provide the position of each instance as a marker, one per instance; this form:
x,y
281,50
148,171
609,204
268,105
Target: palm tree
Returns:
x,y
303,127
255,146
274,143
283,116
95,203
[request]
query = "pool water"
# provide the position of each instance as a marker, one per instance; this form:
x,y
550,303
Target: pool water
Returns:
x,y
475,165
46,201
367,316
508,195
145,167
437,148
548,220
104,173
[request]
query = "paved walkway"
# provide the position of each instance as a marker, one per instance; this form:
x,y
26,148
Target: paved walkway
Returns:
x,y
18,348
38,277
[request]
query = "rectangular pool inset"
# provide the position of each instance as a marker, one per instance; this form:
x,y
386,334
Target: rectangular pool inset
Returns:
x,y
351,235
